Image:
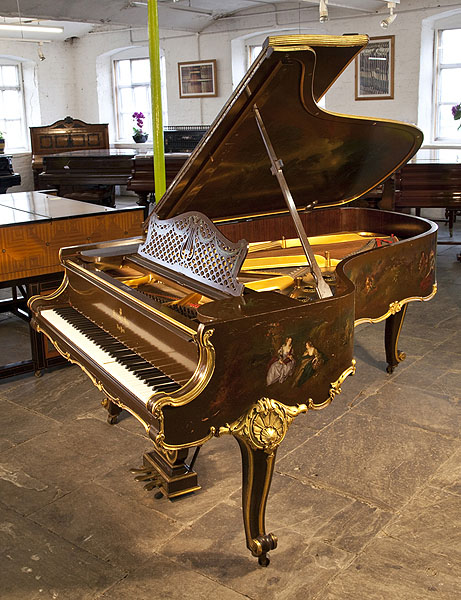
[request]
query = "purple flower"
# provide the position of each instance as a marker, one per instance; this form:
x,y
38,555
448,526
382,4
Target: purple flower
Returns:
x,y
138,117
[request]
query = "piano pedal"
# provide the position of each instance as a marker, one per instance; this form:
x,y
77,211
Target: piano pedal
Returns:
x,y
147,477
173,479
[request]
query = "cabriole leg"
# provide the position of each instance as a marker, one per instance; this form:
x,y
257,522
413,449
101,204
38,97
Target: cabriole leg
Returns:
x,y
257,467
391,339
259,432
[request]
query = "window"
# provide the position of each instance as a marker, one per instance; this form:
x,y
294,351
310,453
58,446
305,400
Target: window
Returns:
x,y
447,89
132,94
12,118
253,52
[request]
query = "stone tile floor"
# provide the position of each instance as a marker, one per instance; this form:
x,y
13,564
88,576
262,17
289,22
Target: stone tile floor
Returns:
x,y
365,499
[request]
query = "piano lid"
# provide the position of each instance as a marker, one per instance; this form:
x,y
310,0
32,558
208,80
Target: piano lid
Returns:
x,y
328,159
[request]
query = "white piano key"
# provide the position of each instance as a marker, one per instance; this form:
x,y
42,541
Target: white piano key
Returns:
x,y
107,362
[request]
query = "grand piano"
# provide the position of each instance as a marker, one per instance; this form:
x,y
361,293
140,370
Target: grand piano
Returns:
x,y
234,311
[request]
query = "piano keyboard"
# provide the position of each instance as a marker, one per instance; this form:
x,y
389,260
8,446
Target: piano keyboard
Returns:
x,y
140,377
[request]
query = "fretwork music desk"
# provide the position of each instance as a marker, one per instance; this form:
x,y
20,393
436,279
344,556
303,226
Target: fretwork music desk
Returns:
x,y
33,228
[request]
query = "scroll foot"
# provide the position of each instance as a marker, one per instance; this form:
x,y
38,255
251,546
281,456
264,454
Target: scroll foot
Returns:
x,y
391,339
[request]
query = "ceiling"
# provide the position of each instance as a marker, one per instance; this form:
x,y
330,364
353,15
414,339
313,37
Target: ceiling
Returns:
x,y
81,16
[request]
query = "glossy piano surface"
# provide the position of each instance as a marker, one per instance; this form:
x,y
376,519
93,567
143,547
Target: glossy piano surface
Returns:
x,y
142,176
235,310
431,179
65,135
73,173
34,226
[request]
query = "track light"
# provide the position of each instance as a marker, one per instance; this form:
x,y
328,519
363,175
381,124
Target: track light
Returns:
x,y
323,11
391,18
25,28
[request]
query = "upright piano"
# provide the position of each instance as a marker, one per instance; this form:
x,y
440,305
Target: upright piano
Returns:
x,y
65,135
234,311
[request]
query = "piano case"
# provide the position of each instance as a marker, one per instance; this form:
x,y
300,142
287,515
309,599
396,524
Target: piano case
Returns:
x,y
178,341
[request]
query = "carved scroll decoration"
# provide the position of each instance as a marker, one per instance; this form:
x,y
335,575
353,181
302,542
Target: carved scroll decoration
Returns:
x,y
191,244
265,424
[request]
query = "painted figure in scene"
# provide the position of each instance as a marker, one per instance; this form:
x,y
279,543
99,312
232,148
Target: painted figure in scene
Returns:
x,y
281,366
310,362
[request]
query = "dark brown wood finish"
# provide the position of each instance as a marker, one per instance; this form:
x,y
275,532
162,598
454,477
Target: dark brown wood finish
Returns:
x,y
142,177
432,179
252,362
91,172
65,135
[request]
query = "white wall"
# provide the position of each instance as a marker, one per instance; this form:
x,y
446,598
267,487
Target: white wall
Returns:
x,y
76,78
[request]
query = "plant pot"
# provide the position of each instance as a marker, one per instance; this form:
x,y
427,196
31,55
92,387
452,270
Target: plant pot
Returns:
x,y
140,138
2,145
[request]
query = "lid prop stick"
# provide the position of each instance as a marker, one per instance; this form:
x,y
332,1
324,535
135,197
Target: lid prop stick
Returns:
x,y
322,288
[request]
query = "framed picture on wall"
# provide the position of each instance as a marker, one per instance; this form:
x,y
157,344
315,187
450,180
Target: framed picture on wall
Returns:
x,y
197,79
374,70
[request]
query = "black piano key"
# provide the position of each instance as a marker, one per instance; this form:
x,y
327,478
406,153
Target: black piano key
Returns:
x,y
143,369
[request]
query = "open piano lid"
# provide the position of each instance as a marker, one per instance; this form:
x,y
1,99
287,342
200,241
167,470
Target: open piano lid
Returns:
x,y
328,159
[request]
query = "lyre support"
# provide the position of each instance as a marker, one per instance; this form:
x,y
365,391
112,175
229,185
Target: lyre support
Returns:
x,y
322,288
259,432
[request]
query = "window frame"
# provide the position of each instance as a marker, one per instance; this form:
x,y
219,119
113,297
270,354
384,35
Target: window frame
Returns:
x,y
5,61
148,111
437,102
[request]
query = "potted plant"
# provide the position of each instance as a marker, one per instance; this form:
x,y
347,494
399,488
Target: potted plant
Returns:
x,y
2,143
138,134
456,112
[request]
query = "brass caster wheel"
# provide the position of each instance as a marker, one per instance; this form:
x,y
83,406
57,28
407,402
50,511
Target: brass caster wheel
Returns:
x,y
38,373
263,560
390,369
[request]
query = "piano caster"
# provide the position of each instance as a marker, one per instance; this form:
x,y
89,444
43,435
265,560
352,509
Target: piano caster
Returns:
x,y
113,411
38,373
263,560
